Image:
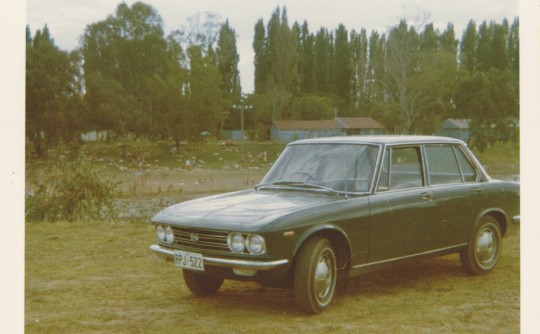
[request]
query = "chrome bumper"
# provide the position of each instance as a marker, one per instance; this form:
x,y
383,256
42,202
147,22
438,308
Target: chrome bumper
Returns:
x,y
212,261
516,219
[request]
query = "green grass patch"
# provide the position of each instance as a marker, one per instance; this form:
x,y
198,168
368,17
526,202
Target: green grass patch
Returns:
x,y
501,160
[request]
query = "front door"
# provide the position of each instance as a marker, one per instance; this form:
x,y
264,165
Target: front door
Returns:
x,y
403,209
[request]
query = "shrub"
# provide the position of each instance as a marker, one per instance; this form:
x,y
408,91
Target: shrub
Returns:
x,y
72,191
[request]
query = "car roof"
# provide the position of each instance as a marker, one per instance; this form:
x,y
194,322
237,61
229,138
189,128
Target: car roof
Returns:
x,y
379,140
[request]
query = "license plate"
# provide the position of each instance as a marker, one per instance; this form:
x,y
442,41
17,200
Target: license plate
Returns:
x,y
188,260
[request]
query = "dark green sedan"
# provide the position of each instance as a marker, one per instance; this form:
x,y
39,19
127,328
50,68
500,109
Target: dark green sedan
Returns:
x,y
332,208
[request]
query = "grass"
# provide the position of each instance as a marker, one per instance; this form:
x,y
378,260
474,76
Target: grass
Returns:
x,y
99,277
501,160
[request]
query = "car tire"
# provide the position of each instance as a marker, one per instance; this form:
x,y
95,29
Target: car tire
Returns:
x,y
315,275
201,285
484,249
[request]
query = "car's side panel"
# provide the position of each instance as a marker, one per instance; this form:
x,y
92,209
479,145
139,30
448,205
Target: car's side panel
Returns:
x,y
349,217
401,223
457,206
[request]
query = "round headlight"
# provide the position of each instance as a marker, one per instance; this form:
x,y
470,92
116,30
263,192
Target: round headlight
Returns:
x,y
236,242
160,233
256,244
169,236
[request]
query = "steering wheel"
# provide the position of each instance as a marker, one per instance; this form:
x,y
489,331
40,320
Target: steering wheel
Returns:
x,y
308,176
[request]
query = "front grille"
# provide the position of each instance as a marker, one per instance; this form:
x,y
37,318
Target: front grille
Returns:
x,y
200,239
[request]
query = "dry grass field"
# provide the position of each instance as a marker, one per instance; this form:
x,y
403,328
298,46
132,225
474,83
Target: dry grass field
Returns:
x,y
100,277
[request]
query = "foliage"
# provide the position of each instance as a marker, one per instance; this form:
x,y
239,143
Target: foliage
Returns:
x,y
52,96
129,78
72,191
409,79
487,84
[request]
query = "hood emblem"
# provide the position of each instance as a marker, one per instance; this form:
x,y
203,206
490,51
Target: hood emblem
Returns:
x,y
194,237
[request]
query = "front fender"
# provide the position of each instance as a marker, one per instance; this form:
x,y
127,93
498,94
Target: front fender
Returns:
x,y
337,237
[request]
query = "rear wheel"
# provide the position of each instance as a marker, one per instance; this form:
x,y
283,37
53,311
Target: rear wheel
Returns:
x,y
201,285
315,275
484,249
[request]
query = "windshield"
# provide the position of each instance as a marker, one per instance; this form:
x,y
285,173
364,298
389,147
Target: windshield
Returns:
x,y
337,167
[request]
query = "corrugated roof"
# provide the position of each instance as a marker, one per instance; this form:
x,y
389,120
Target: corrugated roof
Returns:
x,y
305,125
359,123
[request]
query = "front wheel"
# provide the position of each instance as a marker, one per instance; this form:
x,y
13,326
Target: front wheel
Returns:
x,y
201,285
484,248
315,275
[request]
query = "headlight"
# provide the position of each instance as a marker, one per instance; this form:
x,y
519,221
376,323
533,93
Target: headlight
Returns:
x,y
236,242
169,236
255,244
160,233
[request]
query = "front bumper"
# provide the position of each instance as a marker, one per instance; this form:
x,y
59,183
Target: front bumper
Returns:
x,y
516,219
221,262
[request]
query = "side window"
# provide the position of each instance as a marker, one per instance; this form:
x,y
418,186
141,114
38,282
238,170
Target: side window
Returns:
x,y
467,168
405,168
443,167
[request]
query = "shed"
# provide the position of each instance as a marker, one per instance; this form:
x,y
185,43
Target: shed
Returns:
x,y
360,125
455,128
287,131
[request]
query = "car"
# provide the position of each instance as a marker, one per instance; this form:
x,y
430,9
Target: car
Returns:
x,y
332,208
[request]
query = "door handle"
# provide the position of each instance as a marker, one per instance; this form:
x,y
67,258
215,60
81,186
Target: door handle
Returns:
x,y
478,190
426,195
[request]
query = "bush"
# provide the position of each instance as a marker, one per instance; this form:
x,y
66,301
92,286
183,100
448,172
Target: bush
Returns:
x,y
72,191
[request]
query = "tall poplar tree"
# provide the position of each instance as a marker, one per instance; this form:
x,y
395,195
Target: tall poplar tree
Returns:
x,y
227,59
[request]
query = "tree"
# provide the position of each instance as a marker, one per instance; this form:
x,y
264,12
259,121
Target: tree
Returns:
x,y
468,48
227,59
488,93
323,56
261,57
52,100
359,59
205,100
415,89
128,48
343,68
307,62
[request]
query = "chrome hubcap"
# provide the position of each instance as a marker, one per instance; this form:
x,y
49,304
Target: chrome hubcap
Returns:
x,y
323,277
486,247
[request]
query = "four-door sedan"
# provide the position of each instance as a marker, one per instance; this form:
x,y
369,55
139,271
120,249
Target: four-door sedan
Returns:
x,y
332,208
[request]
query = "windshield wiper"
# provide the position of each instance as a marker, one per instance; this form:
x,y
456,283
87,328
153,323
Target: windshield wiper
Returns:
x,y
296,184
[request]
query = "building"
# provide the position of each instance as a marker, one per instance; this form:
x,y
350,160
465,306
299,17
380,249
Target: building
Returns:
x,y
287,131
360,126
455,128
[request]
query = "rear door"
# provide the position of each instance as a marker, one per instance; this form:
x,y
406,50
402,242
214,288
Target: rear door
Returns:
x,y
457,193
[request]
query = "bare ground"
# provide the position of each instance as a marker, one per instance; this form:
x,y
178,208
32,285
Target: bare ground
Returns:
x,y
101,277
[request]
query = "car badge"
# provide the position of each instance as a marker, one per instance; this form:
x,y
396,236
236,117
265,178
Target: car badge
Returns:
x,y
194,237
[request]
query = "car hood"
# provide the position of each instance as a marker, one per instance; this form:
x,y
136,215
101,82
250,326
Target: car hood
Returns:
x,y
242,210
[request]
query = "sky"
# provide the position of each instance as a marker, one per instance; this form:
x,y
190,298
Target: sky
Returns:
x,y
67,19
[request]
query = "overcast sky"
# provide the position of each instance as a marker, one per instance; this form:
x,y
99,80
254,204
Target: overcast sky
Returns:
x,y
67,19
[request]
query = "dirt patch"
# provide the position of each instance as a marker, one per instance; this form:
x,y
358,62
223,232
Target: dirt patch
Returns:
x,y
192,181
